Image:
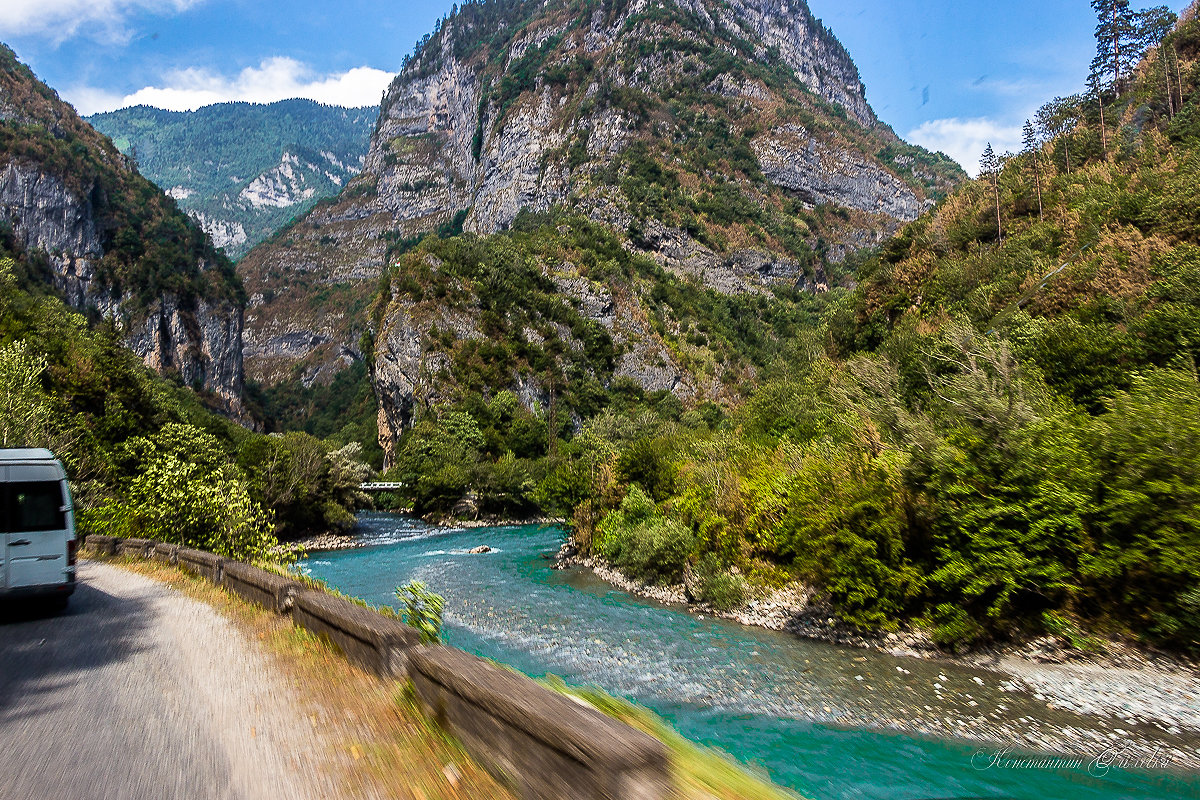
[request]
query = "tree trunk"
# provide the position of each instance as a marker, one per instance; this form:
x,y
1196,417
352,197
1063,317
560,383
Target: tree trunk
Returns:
x,y
996,190
1037,181
1178,76
1116,27
1167,79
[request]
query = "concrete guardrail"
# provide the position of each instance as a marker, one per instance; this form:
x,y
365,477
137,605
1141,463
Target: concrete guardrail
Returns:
x,y
165,553
100,545
371,640
135,547
200,562
543,744
267,589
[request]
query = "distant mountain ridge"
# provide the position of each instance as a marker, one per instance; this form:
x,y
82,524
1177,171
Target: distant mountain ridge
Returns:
x,y
242,170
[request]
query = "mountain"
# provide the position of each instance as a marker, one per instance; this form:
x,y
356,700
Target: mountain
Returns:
x,y
242,170
729,142
87,224
995,436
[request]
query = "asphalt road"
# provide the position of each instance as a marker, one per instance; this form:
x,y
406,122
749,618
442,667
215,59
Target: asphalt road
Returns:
x,y
139,692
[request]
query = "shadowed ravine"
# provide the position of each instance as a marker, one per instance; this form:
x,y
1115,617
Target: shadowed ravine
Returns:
x,y
821,719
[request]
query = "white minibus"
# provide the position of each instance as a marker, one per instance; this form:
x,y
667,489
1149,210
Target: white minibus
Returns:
x,y
37,526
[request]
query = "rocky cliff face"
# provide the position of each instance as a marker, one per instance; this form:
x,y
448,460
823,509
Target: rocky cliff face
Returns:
x,y
720,136
67,198
533,313
452,137
729,142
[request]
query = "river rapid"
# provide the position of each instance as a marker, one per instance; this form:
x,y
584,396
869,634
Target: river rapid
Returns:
x,y
829,722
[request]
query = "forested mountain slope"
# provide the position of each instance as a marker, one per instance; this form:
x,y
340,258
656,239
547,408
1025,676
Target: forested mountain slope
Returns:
x,y
730,142
995,433
242,170
111,243
992,435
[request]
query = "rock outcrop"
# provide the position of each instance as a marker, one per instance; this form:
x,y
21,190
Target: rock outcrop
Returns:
x,y
638,114
730,142
146,268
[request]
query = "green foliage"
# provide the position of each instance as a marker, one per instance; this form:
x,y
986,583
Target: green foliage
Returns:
x,y
721,589
25,412
144,456
422,610
184,490
646,545
1145,563
342,411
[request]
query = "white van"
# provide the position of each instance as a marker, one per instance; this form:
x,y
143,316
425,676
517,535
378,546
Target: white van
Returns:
x,y
37,526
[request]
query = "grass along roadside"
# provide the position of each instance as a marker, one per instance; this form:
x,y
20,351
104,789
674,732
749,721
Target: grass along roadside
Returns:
x,y
699,771
384,744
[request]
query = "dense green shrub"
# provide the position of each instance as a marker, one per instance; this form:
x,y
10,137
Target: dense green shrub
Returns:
x,y
184,490
645,545
718,587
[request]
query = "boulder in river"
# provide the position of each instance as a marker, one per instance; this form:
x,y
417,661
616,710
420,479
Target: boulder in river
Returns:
x,y
483,548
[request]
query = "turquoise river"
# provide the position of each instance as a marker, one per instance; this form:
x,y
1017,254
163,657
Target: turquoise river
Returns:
x,y
828,722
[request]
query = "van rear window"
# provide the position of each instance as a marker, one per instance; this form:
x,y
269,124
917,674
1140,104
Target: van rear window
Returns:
x,y
32,506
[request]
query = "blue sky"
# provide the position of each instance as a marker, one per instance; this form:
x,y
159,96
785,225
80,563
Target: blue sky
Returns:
x,y
948,75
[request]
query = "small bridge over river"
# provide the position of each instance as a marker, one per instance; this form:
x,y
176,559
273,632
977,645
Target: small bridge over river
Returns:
x,y
381,486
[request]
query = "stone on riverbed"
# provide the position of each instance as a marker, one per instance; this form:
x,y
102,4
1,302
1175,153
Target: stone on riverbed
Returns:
x,y
483,548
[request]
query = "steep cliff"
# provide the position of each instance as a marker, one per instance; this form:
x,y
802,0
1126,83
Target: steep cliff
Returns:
x,y
111,243
729,141
559,313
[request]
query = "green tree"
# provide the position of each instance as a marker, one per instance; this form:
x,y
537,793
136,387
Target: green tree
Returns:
x,y
184,490
1056,119
1032,150
422,610
1146,564
25,413
990,166
1115,33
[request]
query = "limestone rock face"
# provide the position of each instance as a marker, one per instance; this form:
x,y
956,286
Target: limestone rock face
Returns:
x,y
793,159
786,29
728,140
432,119
46,216
405,368
202,341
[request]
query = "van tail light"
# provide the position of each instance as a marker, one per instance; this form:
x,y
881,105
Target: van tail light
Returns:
x,y
72,546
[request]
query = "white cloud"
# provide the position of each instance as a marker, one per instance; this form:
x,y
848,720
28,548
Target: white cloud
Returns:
x,y
965,139
274,79
61,20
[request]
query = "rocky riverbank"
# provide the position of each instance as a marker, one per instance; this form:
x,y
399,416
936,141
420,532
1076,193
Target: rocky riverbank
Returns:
x,y
794,608
1150,700
325,542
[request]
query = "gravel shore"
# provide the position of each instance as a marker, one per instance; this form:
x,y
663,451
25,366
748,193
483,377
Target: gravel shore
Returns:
x,y
1143,707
